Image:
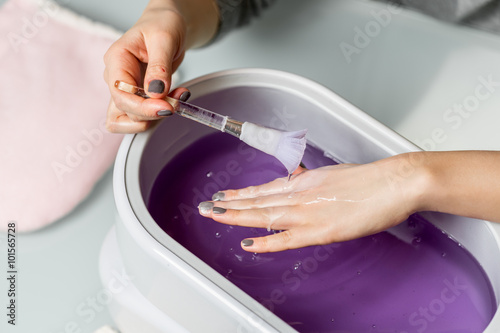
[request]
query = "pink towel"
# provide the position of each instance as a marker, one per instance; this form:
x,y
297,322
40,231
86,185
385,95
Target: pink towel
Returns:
x,y
53,143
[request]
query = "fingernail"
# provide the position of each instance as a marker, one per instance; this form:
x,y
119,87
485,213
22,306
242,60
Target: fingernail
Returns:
x,y
164,113
185,96
247,242
219,196
219,210
205,207
156,86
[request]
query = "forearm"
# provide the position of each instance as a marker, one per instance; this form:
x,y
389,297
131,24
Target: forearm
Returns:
x,y
463,183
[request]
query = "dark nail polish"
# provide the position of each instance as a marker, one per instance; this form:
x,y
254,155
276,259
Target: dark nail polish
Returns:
x,y
205,207
219,196
185,96
219,210
156,86
247,242
164,113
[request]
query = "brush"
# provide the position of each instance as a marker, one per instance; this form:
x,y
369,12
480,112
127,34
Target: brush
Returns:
x,y
287,147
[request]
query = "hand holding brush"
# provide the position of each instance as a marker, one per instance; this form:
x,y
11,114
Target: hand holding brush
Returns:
x,y
287,147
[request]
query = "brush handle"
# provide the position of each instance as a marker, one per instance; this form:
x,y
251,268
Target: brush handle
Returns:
x,y
198,114
190,111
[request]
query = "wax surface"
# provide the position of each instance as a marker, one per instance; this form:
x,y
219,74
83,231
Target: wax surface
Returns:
x,y
380,283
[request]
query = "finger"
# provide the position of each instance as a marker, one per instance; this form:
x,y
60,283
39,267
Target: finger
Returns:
x,y
161,52
275,218
138,108
119,122
286,240
122,65
279,185
273,200
181,93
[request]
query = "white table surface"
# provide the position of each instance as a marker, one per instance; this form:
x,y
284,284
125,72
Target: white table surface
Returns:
x,y
408,76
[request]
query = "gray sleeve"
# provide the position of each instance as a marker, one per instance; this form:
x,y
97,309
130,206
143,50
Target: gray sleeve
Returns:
x,y
236,13
481,14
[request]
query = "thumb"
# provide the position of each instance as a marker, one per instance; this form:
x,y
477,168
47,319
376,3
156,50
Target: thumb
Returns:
x,y
158,75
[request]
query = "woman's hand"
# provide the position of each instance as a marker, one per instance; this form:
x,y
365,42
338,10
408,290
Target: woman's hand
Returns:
x,y
148,54
321,206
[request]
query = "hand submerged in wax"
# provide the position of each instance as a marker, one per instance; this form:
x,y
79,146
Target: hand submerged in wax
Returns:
x,y
320,206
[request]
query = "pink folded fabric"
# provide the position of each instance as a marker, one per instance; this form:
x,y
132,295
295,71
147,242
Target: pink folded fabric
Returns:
x,y
53,143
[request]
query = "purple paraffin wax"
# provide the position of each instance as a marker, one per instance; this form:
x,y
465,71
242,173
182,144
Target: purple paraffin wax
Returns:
x,y
378,283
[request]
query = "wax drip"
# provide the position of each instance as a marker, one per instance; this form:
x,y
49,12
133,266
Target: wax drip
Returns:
x,y
320,199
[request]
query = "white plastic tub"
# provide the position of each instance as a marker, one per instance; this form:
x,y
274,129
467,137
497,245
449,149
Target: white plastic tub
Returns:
x,y
171,290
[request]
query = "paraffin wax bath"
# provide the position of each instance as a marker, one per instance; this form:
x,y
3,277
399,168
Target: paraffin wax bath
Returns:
x,y
379,283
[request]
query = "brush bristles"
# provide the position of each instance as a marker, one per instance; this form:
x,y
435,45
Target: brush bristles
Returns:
x,y
291,149
287,147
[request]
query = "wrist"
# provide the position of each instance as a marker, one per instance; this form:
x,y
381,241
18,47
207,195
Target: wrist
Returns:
x,y
202,20
412,177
